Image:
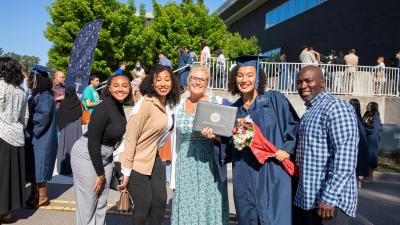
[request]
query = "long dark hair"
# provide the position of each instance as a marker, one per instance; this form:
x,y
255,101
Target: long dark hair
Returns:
x,y
42,84
232,86
369,115
106,91
146,86
356,105
11,71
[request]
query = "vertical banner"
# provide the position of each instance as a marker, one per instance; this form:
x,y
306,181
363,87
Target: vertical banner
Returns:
x,y
82,54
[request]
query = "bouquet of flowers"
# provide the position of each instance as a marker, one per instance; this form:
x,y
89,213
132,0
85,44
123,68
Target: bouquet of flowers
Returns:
x,y
247,134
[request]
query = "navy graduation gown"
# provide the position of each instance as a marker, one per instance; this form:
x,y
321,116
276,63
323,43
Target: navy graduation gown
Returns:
x,y
362,168
374,137
262,193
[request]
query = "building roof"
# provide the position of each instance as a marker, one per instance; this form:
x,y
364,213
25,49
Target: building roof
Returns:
x,y
232,10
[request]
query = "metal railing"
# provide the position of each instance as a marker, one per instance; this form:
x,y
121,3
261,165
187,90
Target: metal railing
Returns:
x,y
340,79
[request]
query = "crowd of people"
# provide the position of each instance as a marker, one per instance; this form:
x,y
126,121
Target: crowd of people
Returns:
x,y
41,122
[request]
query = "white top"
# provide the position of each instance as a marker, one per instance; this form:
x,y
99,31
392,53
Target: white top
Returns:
x,y
205,54
14,113
221,60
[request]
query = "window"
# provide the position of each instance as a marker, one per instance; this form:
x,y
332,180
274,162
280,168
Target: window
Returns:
x,y
288,9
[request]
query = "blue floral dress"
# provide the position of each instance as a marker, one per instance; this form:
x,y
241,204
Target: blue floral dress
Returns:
x,y
199,197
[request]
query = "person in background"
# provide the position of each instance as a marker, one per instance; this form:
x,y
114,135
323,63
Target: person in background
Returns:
x,y
262,192
13,119
194,169
58,87
120,69
92,154
69,124
164,60
90,97
138,72
138,75
205,53
398,66
305,56
184,60
379,77
316,57
362,168
24,84
192,55
373,128
41,139
219,79
326,155
147,131
352,61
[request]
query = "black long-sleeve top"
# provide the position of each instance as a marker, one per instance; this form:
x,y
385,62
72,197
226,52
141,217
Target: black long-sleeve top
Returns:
x,y
106,127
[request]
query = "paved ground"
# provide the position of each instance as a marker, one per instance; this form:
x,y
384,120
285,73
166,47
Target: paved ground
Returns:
x,y
379,204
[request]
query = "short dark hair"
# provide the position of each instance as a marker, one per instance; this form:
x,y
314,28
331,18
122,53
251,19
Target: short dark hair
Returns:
x,y
106,91
122,63
146,86
11,71
353,50
232,86
356,105
92,77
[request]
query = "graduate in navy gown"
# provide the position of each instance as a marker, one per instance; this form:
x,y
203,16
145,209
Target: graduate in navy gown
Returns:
x,y
262,192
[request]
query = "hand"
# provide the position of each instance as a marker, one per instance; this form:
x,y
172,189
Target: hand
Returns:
x,y
124,183
100,180
208,133
281,155
325,211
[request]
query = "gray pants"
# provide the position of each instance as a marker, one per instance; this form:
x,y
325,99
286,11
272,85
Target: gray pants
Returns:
x,y
90,208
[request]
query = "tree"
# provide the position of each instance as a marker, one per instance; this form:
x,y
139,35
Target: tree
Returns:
x,y
23,59
118,38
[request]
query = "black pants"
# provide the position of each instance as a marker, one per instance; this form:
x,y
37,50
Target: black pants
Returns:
x,y
149,195
310,217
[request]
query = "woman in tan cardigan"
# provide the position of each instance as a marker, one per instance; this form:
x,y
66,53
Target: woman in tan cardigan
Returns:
x,y
146,132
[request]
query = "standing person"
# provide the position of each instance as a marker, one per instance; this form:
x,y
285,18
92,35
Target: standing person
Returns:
x,y
41,139
219,78
184,60
194,169
90,97
363,151
58,87
192,55
379,78
326,155
13,118
205,53
398,75
120,69
138,72
138,75
373,128
147,131
352,62
92,154
262,192
69,124
24,84
305,56
284,74
164,60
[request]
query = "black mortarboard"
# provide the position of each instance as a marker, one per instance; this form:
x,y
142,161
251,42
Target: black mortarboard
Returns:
x,y
251,60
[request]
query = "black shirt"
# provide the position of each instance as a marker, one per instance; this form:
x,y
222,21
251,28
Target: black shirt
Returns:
x,y
106,127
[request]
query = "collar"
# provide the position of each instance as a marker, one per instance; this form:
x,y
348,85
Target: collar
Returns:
x,y
316,99
156,102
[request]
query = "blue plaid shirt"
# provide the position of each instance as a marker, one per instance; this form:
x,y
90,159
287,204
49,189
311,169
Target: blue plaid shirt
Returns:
x,y
326,155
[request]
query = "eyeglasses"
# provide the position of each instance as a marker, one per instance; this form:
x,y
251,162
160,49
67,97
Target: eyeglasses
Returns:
x,y
198,79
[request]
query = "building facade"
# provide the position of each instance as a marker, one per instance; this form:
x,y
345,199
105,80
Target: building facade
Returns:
x,y
284,26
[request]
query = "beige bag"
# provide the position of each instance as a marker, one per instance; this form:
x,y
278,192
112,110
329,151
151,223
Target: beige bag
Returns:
x,y
125,201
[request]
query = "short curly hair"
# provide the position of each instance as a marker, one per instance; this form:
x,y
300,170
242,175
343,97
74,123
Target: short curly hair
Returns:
x,y
146,86
11,71
232,86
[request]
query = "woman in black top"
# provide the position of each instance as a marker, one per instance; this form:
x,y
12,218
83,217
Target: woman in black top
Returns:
x,y
91,156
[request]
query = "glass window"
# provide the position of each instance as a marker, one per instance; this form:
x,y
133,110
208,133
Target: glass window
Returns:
x,y
272,17
291,8
300,6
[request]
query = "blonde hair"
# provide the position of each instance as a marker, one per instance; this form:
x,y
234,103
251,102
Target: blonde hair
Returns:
x,y
201,69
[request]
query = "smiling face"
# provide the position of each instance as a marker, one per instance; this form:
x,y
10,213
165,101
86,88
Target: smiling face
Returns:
x,y
198,81
119,88
246,79
162,83
310,83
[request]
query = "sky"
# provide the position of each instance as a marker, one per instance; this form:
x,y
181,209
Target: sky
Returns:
x,y
23,23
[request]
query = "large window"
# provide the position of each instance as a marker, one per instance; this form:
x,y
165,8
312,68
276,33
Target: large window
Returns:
x,y
288,9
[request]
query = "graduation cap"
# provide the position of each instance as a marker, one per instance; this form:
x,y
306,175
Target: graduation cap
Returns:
x,y
39,69
251,60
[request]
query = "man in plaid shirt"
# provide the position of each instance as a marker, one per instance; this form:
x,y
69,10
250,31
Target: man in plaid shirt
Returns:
x,y
326,154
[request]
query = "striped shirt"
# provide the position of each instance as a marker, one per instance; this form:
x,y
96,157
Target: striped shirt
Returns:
x,y
327,155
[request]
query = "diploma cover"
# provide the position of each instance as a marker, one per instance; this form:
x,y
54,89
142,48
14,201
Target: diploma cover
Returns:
x,y
220,118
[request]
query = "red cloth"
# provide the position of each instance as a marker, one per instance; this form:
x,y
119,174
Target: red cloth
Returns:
x,y
263,149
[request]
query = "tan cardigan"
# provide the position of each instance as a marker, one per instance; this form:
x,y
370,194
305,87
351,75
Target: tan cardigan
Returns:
x,y
143,132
